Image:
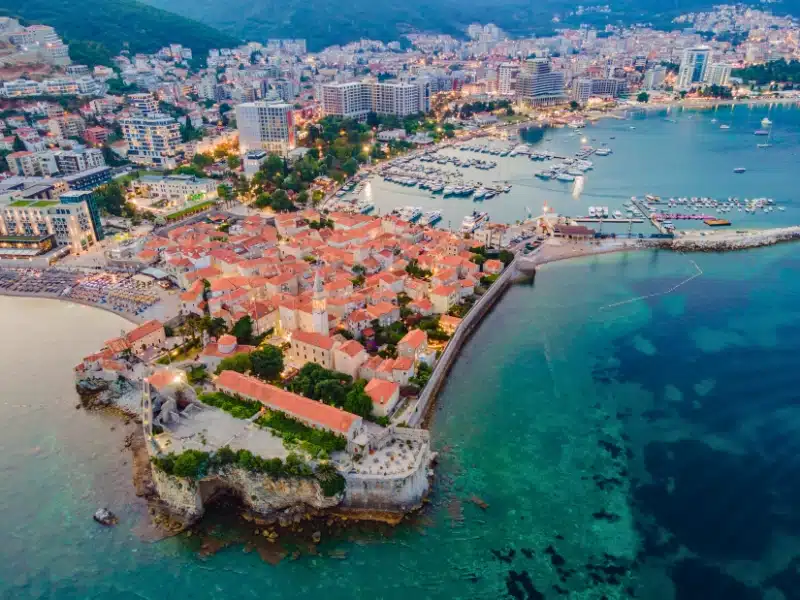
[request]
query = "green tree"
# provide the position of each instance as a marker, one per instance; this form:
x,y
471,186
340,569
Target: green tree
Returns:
x,y
111,198
243,330
18,145
191,463
350,166
280,201
573,105
202,160
239,363
267,363
643,97
358,401
234,162
215,327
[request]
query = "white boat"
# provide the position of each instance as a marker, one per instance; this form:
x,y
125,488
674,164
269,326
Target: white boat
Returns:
x,y
765,122
605,211
592,211
479,193
724,126
603,151
617,214
473,221
365,207
565,177
431,217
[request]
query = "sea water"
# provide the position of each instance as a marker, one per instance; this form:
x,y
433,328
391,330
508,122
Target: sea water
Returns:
x,y
668,154
626,441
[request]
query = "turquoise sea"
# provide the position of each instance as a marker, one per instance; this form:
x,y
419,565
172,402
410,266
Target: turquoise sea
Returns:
x,y
670,154
645,449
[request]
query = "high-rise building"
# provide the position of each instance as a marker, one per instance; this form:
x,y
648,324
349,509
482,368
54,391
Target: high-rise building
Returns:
x,y
357,98
152,140
653,78
694,66
266,126
352,100
506,78
719,74
539,85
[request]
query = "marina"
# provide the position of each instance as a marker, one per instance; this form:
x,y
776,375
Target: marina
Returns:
x,y
525,177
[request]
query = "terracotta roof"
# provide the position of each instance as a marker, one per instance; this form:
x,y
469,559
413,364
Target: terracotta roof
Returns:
x,y
163,377
287,402
414,338
403,363
381,390
443,290
313,339
351,348
144,330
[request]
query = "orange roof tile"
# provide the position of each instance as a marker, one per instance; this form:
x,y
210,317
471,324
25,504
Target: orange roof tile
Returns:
x,y
287,402
313,339
381,391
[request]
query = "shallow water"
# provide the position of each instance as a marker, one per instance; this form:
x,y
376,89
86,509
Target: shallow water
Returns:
x,y
646,448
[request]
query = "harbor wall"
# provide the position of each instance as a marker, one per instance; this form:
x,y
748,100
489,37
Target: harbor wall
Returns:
x,y
729,242
462,334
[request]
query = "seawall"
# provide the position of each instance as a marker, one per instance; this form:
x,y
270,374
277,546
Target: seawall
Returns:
x,y
727,242
472,319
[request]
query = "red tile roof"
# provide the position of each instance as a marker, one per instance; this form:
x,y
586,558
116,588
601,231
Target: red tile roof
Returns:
x,y
275,398
381,390
414,338
313,339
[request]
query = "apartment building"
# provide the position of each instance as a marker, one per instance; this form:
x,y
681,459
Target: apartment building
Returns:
x,y
152,140
539,85
70,162
73,219
266,126
357,98
24,163
68,126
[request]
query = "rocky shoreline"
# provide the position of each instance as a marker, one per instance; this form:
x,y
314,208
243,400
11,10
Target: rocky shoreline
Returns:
x,y
728,242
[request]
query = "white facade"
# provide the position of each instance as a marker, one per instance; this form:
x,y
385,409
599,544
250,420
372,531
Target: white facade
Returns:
x,y
719,74
357,98
266,126
506,78
152,140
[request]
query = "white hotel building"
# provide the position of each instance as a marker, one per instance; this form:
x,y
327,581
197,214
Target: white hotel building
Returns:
x,y
152,140
357,98
266,126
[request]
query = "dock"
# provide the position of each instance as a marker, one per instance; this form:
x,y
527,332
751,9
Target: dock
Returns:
x,y
646,211
608,220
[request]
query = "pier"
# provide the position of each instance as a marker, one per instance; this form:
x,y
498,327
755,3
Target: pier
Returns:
x,y
646,211
602,220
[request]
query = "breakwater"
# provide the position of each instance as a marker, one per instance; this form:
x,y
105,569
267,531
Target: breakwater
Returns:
x,y
740,240
465,329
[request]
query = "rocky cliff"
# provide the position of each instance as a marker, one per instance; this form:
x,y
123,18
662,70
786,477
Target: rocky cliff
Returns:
x,y
276,498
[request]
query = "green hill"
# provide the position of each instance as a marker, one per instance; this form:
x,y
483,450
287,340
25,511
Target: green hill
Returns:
x,y
326,22
99,29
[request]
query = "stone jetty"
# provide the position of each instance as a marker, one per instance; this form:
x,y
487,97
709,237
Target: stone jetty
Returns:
x,y
730,240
